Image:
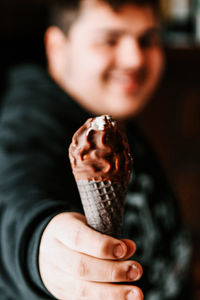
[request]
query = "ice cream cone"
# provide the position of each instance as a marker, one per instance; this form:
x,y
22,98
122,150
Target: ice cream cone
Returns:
x,y
103,203
101,164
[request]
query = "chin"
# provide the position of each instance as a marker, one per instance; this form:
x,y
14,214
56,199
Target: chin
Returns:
x,y
122,114
126,111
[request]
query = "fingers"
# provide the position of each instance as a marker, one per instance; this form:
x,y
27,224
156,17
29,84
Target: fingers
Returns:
x,y
131,248
71,229
78,263
69,288
98,291
88,268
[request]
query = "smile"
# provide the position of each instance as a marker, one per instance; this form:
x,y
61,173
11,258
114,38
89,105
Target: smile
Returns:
x,y
128,83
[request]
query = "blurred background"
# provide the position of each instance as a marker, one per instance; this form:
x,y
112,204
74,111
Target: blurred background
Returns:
x,y
172,120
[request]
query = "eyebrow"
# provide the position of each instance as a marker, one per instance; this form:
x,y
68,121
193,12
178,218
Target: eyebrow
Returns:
x,y
153,30
116,33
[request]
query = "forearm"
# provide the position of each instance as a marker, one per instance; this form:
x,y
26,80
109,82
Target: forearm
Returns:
x,y
32,191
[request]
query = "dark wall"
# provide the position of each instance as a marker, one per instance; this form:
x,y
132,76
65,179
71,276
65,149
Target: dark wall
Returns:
x,y
21,33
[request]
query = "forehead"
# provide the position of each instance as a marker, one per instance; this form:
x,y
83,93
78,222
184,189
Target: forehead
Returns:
x,y
97,15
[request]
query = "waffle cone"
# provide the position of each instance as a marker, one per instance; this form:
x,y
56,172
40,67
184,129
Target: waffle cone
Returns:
x,y
103,204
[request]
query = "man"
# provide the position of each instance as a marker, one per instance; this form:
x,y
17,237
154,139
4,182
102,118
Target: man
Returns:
x,y
107,60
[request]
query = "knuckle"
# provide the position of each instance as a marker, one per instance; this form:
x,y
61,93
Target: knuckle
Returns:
x,y
114,273
115,293
77,236
103,247
81,269
82,291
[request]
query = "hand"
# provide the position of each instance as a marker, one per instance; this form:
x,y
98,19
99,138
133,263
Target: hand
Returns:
x,y
76,262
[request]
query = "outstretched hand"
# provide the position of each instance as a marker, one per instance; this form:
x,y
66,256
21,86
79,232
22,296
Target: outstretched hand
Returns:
x,y
77,262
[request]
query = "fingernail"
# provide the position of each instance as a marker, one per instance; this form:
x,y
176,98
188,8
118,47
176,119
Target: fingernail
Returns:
x,y
118,251
132,295
133,273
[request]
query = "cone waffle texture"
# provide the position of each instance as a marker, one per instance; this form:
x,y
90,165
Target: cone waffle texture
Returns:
x,y
103,203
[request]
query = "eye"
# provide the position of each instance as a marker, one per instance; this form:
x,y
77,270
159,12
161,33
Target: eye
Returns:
x,y
150,40
110,41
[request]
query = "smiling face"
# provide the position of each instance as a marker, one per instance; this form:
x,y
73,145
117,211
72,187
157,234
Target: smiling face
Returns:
x,y
111,61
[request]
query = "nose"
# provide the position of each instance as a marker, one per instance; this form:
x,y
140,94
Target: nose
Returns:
x,y
130,54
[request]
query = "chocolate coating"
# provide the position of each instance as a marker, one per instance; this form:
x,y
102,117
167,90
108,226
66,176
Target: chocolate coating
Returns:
x,y
99,151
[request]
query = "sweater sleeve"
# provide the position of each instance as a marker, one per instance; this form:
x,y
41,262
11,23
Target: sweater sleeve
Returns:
x,y
35,185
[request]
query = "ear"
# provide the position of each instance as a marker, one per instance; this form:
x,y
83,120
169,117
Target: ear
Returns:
x,y
55,45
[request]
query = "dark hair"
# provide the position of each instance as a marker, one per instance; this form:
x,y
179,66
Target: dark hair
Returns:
x,y
63,13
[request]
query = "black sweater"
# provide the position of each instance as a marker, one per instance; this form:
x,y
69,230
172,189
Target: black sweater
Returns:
x,y
37,123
